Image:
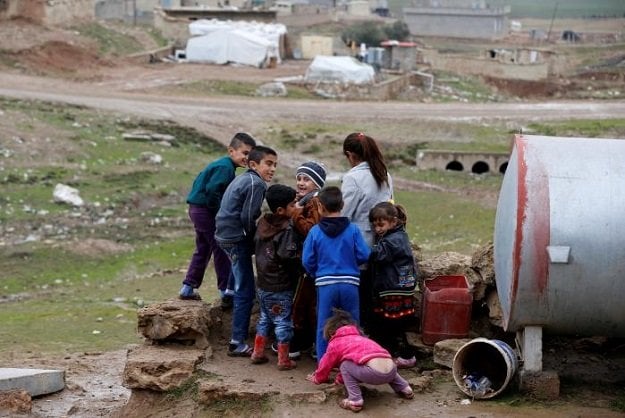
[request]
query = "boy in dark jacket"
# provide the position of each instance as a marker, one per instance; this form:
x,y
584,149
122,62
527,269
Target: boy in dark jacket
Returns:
x,y
204,200
235,229
278,251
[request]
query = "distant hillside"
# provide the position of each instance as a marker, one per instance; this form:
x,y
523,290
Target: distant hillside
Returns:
x,y
544,8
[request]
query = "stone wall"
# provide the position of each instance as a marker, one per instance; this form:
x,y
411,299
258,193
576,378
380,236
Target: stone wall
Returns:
x,y
471,162
51,12
129,11
61,12
484,66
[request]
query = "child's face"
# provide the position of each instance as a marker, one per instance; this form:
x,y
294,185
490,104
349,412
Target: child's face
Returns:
x,y
266,168
239,155
290,208
382,226
287,211
304,185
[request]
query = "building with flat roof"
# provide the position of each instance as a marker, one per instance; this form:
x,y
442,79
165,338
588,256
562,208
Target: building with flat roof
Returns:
x,y
457,19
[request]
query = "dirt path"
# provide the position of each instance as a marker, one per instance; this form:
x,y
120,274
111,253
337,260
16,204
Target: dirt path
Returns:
x,y
93,389
248,111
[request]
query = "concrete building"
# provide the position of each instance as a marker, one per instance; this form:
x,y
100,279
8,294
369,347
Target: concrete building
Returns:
x,y
530,64
142,11
401,56
58,12
313,45
457,19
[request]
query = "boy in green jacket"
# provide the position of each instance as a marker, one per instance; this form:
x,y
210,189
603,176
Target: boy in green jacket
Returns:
x,y
204,200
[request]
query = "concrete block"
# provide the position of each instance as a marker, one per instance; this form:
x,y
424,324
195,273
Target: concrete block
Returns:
x,y
34,381
445,350
544,385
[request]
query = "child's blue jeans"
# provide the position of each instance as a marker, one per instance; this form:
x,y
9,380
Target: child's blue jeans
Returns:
x,y
240,255
275,312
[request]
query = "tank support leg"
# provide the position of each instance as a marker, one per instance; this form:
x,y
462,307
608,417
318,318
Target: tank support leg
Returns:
x,y
530,341
542,384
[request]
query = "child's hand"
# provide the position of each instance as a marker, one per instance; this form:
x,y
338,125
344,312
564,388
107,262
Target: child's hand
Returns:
x,y
311,377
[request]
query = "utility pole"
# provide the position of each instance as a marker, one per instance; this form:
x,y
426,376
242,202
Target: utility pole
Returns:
x,y
555,9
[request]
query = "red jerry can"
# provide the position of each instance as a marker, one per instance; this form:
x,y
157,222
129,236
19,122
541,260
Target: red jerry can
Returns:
x,y
446,309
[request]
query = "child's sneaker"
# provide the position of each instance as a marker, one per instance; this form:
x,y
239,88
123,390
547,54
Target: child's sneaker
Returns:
x,y
406,393
354,406
226,302
188,293
239,350
405,363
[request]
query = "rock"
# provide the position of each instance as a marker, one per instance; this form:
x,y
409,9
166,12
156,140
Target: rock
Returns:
x,y
137,136
481,275
209,392
34,381
160,368
66,194
272,89
151,158
445,350
180,321
16,401
415,341
495,314
420,384
444,264
163,137
316,396
543,385
483,262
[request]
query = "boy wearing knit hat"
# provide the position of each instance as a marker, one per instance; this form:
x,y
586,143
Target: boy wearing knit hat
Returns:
x,y
310,178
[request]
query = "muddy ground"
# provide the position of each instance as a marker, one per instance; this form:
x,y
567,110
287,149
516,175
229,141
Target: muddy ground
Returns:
x,y
591,371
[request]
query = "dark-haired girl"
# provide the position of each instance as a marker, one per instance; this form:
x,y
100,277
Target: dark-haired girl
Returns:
x,y
394,278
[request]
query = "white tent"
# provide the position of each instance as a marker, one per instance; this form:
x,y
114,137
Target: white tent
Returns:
x,y
271,32
339,70
230,45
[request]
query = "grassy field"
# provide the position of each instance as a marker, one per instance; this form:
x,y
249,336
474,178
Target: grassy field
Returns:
x,y
72,278
566,9
545,9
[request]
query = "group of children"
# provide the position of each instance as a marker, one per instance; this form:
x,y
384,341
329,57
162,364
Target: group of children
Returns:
x,y
309,261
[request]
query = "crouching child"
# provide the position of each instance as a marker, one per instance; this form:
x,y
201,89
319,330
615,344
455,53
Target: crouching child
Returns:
x,y
359,359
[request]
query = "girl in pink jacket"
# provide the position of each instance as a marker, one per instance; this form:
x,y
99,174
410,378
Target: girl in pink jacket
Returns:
x,y
359,359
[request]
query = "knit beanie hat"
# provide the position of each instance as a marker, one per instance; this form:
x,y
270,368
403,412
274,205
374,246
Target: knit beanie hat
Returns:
x,y
313,171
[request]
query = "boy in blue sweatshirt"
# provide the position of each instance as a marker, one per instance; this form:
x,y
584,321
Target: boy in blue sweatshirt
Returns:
x,y
333,250
204,200
236,226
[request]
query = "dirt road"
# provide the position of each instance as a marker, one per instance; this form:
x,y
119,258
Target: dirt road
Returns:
x,y
217,113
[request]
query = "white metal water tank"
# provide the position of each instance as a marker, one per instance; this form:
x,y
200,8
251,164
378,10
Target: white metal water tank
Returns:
x,y
559,244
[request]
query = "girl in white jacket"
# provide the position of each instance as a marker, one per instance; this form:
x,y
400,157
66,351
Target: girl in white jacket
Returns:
x,y
366,184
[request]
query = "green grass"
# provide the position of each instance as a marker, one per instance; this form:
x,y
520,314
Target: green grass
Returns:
x,y
592,128
440,222
232,88
543,9
109,41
